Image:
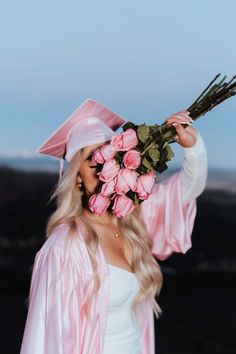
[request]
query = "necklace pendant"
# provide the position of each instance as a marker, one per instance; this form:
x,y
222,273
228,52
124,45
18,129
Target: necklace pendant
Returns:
x,y
117,235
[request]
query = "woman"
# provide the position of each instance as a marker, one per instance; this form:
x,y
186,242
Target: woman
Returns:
x,y
95,278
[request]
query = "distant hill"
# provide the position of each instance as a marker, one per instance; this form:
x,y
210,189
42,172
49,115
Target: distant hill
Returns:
x,y
24,210
217,178
38,163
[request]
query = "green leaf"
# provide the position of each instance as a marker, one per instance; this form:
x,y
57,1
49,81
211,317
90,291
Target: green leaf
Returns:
x,y
162,167
143,132
142,169
128,125
165,144
146,163
130,194
154,154
170,153
154,163
136,199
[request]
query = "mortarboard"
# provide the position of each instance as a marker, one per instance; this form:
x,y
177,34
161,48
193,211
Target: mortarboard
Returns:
x,y
91,123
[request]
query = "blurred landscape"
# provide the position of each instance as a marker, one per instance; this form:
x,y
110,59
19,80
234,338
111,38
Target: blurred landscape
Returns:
x,y
199,291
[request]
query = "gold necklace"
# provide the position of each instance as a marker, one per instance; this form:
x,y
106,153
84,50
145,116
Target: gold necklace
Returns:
x,y
117,235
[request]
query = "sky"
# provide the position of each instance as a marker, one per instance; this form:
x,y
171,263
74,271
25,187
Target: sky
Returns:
x,y
144,59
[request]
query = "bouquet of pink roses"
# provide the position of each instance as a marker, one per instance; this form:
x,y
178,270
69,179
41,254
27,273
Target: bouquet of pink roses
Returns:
x,y
130,162
126,179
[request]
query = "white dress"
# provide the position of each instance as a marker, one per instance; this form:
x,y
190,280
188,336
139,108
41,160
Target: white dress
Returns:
x,y
122,333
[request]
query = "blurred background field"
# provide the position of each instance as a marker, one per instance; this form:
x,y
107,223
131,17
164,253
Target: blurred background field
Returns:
x,y
199,289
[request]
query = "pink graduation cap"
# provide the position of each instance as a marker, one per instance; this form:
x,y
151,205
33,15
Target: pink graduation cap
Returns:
x,y
91,123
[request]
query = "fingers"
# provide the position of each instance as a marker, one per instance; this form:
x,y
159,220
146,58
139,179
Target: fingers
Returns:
x,y
179,129
185,136
182,117
183,111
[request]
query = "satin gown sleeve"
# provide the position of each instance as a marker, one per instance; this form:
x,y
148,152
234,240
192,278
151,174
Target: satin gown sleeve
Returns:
x,y
53,323
169,212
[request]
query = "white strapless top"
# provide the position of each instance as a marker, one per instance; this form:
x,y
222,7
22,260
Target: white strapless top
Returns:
x,y
122,333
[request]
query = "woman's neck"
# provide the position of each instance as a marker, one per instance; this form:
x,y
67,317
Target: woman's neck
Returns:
x,y
107,218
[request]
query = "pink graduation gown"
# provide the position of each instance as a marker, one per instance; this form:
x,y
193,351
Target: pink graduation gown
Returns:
x,y
55,324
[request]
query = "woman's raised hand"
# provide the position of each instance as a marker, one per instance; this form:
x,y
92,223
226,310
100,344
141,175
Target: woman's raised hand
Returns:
x,y
186,137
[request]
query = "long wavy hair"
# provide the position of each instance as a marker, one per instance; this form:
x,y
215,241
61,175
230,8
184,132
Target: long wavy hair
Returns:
x,y
69,199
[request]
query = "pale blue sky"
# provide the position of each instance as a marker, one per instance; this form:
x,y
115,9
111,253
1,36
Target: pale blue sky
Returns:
x,y
144,59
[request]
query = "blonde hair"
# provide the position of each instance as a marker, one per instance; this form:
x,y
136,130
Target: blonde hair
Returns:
x,y
146,268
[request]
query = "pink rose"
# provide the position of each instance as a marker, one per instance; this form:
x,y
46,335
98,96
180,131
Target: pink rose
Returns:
x,y
132,159
109,170
97,156
145,184
125,141
108,152
125,180
98,203
122,206
108,187
105,153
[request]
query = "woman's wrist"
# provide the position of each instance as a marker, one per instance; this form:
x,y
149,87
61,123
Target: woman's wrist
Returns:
x,y
197,149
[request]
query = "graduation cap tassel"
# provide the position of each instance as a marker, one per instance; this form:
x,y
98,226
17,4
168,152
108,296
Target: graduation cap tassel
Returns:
x,y
61,168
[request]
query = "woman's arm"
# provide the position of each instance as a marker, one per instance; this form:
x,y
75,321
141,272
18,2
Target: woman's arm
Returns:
x,y
53,324
169,212
193,175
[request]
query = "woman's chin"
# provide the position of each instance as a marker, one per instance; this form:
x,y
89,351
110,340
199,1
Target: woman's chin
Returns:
x,y
92,191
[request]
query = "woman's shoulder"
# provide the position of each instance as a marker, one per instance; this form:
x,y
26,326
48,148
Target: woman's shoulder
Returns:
x,y
57,254
61,236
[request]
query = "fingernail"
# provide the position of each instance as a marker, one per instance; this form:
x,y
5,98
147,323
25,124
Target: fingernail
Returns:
x,y
174,124
188,123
